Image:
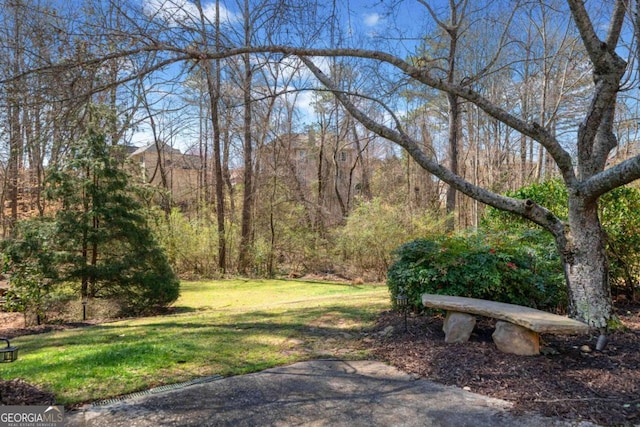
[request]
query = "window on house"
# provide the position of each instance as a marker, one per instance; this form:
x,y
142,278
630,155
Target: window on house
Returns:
x,y
343,156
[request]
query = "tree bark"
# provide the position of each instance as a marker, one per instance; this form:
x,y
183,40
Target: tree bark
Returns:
x,y
15,89
213,86
214,96
585,265
457,13
454,126
247,196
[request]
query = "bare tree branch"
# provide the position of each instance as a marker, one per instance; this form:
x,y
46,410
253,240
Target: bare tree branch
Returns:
x,y
525,208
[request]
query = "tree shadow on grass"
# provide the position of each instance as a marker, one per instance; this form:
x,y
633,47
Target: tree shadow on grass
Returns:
x,y
174,349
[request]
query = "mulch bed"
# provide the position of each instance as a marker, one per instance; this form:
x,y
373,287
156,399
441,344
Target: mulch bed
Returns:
x,y
568,382
17,392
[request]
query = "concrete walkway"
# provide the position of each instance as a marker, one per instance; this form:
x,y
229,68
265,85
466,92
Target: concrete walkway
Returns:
x,y
316,393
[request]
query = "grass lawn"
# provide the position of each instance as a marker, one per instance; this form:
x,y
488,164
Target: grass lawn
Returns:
x,y
220,328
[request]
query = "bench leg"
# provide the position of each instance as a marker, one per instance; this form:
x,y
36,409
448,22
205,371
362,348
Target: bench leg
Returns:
x,y
457,327
510,338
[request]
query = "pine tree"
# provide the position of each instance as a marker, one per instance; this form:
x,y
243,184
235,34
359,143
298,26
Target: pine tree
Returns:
x,y
102,234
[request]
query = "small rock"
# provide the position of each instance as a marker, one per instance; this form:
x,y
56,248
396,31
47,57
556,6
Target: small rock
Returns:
x,y
549,351
467,388
602,342
386,331
585,349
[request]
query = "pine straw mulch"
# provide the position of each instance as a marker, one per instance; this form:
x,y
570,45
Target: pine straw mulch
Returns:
x,y
567,381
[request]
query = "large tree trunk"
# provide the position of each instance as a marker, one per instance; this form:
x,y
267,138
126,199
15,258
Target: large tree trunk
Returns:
x,y
586,266
454,126
213,86
247,197
15,148
219,182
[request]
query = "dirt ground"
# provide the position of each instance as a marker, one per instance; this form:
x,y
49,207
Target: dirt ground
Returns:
x,y
568,381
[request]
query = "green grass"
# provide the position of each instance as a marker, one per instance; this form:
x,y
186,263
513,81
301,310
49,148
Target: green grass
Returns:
x,y
224,327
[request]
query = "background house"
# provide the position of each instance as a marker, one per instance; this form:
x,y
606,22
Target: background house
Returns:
x,y
164,166
322,173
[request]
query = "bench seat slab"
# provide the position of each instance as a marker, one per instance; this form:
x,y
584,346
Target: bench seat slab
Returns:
x,y
530,318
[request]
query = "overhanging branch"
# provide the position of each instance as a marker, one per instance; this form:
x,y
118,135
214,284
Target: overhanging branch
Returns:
x,y
525,208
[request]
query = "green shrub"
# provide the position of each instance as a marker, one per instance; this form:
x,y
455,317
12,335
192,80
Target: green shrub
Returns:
x,y
30,262
619,212
190,244
620,216
98,238
499,269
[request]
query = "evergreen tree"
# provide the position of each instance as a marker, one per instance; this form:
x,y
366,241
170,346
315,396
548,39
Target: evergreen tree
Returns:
x,y
104,240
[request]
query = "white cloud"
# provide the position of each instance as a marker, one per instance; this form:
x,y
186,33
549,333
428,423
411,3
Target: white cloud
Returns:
x,y
322,62
304,104
182,11
372,19
225,14
291,68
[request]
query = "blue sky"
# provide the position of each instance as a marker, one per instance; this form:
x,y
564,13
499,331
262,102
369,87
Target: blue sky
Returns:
x,y
363,23
361,20
362,15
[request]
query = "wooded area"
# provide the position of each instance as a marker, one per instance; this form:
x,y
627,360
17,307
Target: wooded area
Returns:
x,y
288,137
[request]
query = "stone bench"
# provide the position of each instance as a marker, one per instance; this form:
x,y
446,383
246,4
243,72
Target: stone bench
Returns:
x,y
517,330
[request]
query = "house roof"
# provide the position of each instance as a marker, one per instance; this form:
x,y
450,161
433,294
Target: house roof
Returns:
x,y
152,148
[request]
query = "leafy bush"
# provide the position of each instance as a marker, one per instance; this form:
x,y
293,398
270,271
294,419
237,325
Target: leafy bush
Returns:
x,y
374,229
620,216
30,262
147,283
619,212
191,244
502,269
